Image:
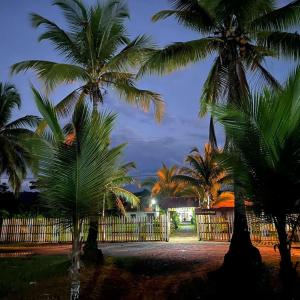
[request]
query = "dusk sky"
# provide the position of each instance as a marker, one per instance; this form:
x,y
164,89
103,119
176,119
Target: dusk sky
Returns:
x,y
149,143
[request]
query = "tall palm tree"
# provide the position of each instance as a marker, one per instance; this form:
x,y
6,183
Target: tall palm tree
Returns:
x,y
204,172
98,54
240,35
15,148
55,135
74,176
265,163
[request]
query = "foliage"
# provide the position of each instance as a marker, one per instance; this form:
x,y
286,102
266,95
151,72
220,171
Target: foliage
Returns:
x,y
239,34
98,55
15,138
175,219
77,169
266,153
204,173
164,185
69,149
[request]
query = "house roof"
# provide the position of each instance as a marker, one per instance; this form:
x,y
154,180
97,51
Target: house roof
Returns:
x,y
226,200
176,202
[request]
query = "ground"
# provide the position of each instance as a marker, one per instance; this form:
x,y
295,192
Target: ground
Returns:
x,y
148,270
180,269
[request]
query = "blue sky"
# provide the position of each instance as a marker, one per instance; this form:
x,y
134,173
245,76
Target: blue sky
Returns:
x,y
149,143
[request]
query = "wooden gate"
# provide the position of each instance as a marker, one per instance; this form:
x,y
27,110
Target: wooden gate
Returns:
x,y
214,228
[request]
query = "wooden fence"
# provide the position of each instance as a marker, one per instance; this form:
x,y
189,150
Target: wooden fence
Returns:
x,y
214,228
110,229
262,230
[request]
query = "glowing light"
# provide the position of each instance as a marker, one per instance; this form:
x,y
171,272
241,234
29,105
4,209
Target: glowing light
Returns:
x,y
153,201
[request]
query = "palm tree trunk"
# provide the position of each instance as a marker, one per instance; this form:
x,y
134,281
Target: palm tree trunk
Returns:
x,y
287,272
75,267
91,252
241,254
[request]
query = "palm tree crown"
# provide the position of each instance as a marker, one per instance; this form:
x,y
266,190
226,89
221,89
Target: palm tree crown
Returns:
x,y
15,154
241,34
204,173
163,185
98,52
71,137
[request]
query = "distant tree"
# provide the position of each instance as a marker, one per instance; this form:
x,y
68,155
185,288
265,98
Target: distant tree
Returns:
x,y
205,173
163,184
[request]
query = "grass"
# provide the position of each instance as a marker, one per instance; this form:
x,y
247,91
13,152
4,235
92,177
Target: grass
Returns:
x,y
22,273
127,278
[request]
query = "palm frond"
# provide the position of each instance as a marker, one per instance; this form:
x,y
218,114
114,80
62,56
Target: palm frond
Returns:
x,y
63,42
48,113
52,73
74,11
9,99
194,17
140,98
66,105
130,56
214,86
130,197
279,19
285,44
178,55
27,121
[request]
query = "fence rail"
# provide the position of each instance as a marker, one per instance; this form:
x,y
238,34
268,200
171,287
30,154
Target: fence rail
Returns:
x,y
262,230
110,229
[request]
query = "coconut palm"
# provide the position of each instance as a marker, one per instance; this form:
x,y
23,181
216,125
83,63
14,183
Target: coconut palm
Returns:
x,y
74,176
15,150
265,161
56,135
163,184
204,172
239,34
98,55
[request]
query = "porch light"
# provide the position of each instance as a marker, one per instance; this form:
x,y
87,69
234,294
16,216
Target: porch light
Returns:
x,y
153,201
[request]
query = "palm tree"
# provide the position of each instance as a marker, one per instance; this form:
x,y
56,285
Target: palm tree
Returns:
x,y
163,184
67,136
265,161
204,173
74,176
98,53
99,56
241,34
15,148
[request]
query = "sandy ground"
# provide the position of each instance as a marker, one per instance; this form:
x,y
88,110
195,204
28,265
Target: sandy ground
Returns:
x,y
184,249
159,270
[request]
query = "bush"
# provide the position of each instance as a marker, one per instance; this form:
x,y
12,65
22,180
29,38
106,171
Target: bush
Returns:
x,y
175,219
